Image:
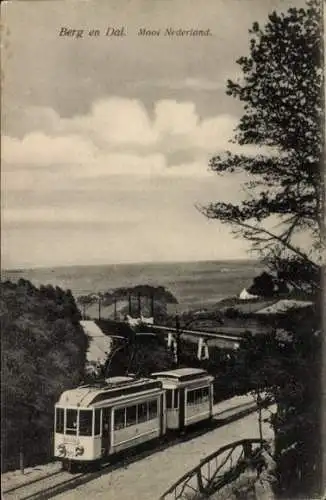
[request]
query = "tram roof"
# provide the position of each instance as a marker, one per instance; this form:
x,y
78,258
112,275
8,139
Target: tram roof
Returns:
x,y
182,374
112,388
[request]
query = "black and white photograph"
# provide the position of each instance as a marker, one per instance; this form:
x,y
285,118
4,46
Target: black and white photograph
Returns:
x,y
162,250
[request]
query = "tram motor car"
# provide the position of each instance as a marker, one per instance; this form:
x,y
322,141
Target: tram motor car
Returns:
x,y
93,422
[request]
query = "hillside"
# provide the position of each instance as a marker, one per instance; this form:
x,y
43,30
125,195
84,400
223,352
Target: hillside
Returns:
x,y
43,353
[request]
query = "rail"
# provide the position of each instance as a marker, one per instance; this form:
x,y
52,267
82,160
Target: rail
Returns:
x,y
224,336
216,471
31,482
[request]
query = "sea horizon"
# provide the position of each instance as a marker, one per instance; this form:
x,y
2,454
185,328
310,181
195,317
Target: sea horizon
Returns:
x,y
193,283
126,263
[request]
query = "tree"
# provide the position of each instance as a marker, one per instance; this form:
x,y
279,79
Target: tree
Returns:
x,y
262,285
140,354
282,93
298,273
44,352
85,301
286,365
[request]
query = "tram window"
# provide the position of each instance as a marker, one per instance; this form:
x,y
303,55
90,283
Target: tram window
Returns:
x,y
193,397
131,415
190,397
169,399
152,409
97,422
142,412
85,422
60,418
205,393
198,396
176,399
119,418
71,423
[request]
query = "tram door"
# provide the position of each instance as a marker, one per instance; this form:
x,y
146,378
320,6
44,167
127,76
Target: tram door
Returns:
x,y
106,430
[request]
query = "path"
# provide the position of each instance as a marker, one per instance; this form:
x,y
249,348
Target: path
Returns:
x,y
149,477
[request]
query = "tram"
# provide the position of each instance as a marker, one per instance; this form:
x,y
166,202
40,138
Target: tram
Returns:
x,y
189,396
96,421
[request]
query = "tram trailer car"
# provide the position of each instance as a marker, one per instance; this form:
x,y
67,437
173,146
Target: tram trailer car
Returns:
x,y
189,396
93,422
96,421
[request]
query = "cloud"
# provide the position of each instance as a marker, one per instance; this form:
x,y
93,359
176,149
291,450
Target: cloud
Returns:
x,y
70,215
116,121
195,84
118,175
116,138
127,165
119,137
176,118
116,147
215,133
191,170
40,150
79,157
203,84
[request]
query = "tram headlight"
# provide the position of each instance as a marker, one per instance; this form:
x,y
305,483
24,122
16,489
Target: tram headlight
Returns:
x,y
79,450
61,449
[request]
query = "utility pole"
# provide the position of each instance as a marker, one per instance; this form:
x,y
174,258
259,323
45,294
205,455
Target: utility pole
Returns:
x,y
21,452
115,308
260,417
178,335
129,300
99,307
152,305
139,304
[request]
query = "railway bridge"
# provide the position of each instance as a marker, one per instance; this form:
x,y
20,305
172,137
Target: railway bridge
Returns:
x,y
228,338
223,337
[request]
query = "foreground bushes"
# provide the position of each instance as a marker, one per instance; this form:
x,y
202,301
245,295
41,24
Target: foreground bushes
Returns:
x,y
286,365
43,353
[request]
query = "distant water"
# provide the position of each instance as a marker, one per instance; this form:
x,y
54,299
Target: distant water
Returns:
x,y
195,284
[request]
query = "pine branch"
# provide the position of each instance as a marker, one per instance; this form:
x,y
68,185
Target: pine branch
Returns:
x,y
252,232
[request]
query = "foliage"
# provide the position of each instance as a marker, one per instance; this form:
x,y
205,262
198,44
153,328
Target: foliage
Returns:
x,y
119,328
142,354
121,293
287,366
263,285
298,274
134,350
159,293
43,353
229,379
281,90
142,299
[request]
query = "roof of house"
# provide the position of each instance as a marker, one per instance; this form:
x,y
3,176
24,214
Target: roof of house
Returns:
x,y
284,305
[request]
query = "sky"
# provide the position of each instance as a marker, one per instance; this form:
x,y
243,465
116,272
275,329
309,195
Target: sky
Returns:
x,y
106,139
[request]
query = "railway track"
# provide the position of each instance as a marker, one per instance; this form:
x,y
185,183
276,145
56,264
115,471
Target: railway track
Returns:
x,y
29,483
60,481
45,487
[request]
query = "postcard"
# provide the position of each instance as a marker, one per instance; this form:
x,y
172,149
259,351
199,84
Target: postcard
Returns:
x,y
162,245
